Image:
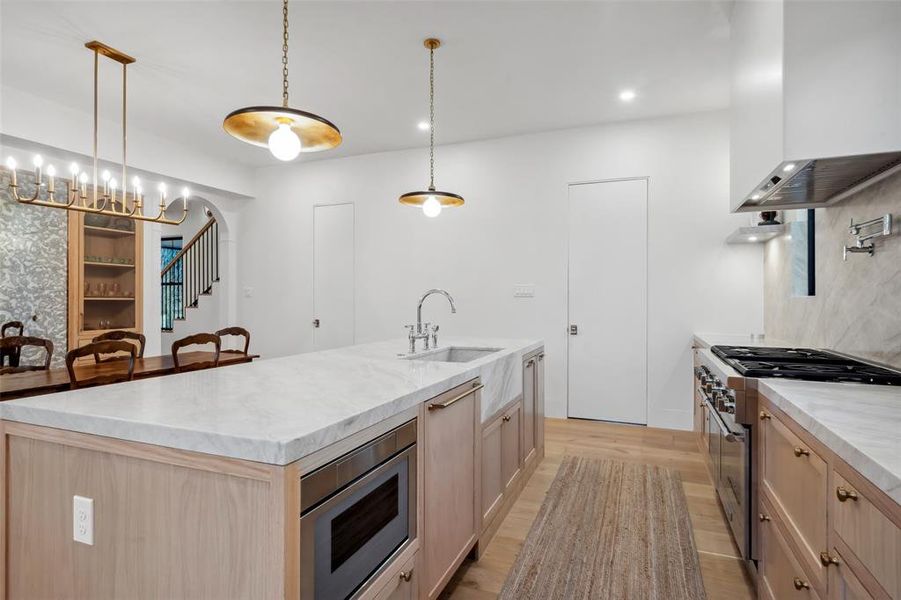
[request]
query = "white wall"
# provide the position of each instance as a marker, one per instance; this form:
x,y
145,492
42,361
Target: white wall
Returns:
x,y
41,121
511,230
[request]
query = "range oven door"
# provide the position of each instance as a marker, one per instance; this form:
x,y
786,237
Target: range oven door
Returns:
x,y
352,536
733,485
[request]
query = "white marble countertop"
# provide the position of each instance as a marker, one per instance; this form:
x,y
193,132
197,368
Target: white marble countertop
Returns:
x,y
706,340
860,423
278,410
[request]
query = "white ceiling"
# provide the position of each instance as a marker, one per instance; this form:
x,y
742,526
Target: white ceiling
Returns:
x,y
505,67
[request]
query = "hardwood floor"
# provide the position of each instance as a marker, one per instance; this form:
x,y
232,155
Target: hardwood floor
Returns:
x,y
723,573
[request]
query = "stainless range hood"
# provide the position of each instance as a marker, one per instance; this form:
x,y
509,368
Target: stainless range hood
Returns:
x,y
820,182
815,97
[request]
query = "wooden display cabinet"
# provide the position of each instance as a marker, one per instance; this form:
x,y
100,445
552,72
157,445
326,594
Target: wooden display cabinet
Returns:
x,y
105,275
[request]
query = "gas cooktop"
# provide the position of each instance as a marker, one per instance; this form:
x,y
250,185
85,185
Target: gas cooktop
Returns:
x,y
805,364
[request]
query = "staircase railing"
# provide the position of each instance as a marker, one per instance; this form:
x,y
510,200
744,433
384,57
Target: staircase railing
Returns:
x,y
190,274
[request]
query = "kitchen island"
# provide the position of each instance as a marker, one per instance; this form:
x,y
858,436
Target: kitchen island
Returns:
x,y
195,478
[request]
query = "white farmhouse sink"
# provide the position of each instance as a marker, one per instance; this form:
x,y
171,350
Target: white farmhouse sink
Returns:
x,y
453,354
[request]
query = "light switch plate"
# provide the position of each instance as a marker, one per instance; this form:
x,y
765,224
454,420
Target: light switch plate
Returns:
x,y
524,290
83,520
248,292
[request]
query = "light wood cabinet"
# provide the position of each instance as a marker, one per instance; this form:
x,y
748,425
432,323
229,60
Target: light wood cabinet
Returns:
x,y
452,473
501,458
780,574
106,277
403,585
869,533
822,518
532,407
843,585
794,478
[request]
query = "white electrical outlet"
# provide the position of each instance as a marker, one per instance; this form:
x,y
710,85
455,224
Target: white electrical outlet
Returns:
x,y
524,290
83,520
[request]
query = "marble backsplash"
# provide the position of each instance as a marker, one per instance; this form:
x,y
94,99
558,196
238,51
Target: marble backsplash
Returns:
x,y
857,306
33,269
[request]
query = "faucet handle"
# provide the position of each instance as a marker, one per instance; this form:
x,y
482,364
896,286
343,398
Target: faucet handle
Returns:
x,y
410,329
435,329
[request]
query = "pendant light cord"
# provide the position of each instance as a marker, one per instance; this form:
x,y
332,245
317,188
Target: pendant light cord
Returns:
x,y
285,53
432,119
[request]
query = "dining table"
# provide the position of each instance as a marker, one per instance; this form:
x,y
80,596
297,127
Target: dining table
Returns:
x,y
33,383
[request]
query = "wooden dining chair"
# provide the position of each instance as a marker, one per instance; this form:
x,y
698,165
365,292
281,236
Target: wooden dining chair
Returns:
x,y
13,345
236,331
139,339
107,376
197,339
10,357
12,325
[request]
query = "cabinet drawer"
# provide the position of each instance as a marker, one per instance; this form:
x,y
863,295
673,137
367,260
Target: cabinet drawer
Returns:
x,y
843,585
795,478
781,575
869,533
404,586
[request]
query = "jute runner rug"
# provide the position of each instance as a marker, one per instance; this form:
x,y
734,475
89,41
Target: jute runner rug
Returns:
x,y
609,530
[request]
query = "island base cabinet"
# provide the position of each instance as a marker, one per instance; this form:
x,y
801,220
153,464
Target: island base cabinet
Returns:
x,y
532,407
451,474
501,459
167,523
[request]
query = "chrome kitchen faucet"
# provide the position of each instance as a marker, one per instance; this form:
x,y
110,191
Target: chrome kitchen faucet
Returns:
x,y
420,332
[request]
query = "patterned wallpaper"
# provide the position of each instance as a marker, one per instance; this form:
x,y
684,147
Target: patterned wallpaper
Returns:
x,y
857,307
33,268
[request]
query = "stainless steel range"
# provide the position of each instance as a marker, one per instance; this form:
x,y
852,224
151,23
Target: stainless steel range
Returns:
x,y
726,388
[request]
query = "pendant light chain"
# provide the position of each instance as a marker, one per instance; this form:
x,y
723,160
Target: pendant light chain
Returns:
x,y
431,118
285,53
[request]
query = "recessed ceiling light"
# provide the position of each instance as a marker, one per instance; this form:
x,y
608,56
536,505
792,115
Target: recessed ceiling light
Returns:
x,y
423,125
627,95
753,238
755,197
789,167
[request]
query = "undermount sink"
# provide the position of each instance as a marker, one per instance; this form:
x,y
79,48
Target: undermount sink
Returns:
x,y
454,354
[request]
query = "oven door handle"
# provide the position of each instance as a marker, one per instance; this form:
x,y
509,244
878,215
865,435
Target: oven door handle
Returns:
x,y
728,435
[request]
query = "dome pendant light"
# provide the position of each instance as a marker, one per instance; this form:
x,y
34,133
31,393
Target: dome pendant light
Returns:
x,y
431,200
285,131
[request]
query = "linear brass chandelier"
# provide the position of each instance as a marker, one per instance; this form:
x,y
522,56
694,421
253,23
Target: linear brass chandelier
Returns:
x,y
111,200
285,131
432,200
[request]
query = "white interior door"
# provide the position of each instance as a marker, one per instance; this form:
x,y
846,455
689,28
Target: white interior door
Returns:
x,y
608,306
333,276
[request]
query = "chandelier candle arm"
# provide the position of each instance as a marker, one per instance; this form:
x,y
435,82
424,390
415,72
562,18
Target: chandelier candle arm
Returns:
x,y
105,200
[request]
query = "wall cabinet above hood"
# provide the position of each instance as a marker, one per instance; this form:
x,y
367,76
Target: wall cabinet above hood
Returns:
x,y
816,100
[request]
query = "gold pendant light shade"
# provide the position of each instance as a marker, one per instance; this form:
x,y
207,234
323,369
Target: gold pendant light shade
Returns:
x,y
431,201
285,131
443,198
255,124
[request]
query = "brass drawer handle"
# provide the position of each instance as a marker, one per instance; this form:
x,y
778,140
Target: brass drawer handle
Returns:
x,y
506,418
437,405
799,452
843,494
764,415
800,584
406,575
827,559
764,518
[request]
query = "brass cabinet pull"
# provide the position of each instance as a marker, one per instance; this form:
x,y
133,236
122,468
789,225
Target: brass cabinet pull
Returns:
x,y
531,362
843,494
800,584
764,415
827,559
799,452
406,575
506,418
437,405
541,357
764,517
